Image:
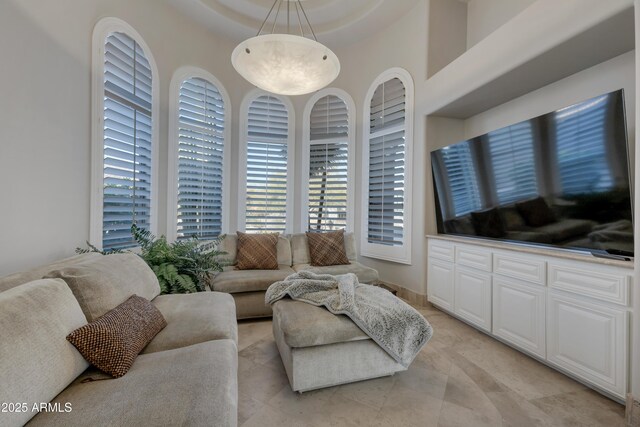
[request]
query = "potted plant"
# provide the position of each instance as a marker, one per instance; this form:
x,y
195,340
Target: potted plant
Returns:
x,y
182,266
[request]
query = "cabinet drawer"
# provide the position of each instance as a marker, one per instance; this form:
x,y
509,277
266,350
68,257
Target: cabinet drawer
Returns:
x,y
605,283
531,269
442,250
474,257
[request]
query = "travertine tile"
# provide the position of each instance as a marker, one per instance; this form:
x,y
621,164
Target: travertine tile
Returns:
x,y
371,392
250,331
522,374
582,408
461,378
269,417
452,415
407,406
247,407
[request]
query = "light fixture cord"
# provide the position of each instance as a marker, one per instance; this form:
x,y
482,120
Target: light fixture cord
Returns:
x,y
307,19
267,17
300,20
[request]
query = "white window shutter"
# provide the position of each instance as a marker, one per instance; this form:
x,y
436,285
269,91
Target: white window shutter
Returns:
x,y
267,161
201,119
328,164
387,164
127,141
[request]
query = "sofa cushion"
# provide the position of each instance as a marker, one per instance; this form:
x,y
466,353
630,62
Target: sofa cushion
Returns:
x,y
536,212
300,248
112,342
566,229
36,361
365,274
195,385
229,244
194,318
233,281
327,248
102,283
305,325
23,277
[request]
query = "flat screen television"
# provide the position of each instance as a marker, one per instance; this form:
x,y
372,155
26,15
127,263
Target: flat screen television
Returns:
x,y
561,179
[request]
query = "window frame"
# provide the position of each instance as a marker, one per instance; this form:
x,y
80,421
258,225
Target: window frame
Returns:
x,y
242,157
351,158
179,77
402,253
101,31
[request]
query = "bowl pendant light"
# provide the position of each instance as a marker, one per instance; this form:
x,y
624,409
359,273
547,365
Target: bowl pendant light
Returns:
x,y
286,64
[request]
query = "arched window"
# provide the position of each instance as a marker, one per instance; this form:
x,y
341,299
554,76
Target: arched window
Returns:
x,y
388,142
125,135
266,172
198,155
328,162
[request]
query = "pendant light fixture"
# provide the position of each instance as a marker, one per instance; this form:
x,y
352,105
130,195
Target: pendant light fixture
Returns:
x,y
286,64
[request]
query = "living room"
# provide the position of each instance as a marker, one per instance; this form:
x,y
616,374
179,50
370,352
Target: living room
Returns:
x,y
525,323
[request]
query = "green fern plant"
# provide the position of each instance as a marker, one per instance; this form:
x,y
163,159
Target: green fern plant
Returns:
x,y
183,266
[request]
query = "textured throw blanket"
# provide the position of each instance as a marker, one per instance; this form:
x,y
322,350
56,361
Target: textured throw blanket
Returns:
x,y
393,324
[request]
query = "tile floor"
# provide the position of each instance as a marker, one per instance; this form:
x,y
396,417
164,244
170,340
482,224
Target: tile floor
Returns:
x,y
461,378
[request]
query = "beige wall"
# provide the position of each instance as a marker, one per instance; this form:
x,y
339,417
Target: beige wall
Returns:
x,y
485,16
45,109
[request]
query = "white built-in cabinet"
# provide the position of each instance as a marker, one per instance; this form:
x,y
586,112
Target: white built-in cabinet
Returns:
x,y
571,313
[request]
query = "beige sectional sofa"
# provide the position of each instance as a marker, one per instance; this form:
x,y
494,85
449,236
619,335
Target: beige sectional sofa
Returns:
x,y
187,375
248,286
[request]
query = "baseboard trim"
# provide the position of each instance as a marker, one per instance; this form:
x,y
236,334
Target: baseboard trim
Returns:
x,y
407,295
632,411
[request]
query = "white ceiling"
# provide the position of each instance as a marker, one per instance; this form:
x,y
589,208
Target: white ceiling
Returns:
x,y
335,22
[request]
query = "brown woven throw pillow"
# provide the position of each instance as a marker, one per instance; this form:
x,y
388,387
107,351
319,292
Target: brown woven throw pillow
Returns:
x,y
327,248
112,342
257,251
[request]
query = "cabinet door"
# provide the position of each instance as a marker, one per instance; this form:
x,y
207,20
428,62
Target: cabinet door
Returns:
x,y
588,340
440,284
519,314
472,297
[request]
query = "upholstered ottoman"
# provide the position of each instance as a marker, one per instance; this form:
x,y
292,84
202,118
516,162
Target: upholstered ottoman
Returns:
x,y
320,349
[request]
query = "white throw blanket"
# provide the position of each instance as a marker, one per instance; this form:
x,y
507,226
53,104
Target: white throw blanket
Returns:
x,y
394,325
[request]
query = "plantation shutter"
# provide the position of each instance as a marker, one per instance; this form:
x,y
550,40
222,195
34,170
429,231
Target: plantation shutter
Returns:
x,y
328,164
387,164
127,170
513,162
463,182
267,159
200,159
580,140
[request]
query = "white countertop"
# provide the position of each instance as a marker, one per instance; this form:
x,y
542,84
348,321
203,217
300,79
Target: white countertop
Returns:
x,y
533,249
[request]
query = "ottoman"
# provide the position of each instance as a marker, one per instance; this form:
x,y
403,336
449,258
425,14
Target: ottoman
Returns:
x,y
320,349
